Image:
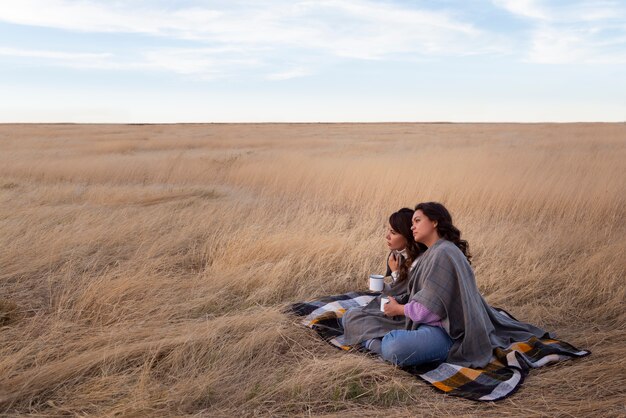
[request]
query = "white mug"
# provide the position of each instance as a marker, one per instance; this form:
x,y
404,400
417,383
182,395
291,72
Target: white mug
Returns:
x,y
377,282
383,302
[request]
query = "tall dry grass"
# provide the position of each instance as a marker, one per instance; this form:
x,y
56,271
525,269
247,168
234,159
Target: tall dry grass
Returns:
x,y
144,268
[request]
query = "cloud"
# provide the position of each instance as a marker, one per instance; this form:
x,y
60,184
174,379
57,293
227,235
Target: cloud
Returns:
x,y
209,63
575,45
565,12
248,34
583,32
524,8
303,22
52,54
291,73
85,16
282,39
73,59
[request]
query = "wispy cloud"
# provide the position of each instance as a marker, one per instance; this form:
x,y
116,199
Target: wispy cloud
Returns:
x,y
317,24
282,39
209,63
74,59
291,73
205,63
567,11
53,54
327,29
583,45
584,32
524,8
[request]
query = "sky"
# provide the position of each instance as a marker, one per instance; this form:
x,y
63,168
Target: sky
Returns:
x,y
157,61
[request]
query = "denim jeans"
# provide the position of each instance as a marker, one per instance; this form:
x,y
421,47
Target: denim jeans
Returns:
x,y
426,344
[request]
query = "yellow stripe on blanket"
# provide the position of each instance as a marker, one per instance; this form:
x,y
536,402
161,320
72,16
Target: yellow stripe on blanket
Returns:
x,y
326,315
442,386
462,376
471,373
523,347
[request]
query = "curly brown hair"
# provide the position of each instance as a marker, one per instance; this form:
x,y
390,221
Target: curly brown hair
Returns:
x,y
438,213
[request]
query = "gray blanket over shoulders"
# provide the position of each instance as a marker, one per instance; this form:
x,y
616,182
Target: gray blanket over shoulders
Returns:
x,y
443,281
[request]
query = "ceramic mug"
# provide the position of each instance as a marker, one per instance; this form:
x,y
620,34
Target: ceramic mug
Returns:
x,y
383,302
377,282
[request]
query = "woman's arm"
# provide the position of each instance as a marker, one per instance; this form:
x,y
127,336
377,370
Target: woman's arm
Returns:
x,y
414,310
437,282
419,313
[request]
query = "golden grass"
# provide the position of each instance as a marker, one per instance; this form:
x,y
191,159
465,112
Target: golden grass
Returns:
x,y
144,268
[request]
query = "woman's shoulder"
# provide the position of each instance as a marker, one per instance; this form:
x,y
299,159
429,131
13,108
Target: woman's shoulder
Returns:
x,y
447,255
444,249
443,246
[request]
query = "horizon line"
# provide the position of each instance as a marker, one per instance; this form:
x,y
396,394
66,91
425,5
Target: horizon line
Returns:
x,y
319,123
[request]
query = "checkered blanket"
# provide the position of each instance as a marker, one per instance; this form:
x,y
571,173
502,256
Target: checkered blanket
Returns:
x,y
499,379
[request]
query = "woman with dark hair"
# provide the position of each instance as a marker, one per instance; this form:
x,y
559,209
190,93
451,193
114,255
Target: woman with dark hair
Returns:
x,y
366,325
404,249
446,317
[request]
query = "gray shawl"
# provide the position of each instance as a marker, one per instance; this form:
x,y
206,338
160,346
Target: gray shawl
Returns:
x,y
443,281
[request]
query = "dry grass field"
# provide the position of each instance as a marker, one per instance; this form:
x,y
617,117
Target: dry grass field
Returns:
x,y
143,268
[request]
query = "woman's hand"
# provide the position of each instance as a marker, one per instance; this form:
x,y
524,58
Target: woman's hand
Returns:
x,y
393,261
393,308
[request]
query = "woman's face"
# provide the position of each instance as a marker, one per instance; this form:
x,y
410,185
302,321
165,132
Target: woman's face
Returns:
x,y
395,240
422,227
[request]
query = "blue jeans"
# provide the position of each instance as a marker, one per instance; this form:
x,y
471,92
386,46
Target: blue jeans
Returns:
x,y
401,347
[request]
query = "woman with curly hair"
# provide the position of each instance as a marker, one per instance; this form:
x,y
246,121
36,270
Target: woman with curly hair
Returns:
x,y
446,317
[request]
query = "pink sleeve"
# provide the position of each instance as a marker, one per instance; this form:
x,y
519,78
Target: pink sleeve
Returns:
x,y
420,314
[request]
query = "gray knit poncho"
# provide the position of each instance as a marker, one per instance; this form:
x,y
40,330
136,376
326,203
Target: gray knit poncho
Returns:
x,y
443,281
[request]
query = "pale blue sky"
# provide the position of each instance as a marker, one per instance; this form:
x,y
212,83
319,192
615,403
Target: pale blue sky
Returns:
x,y
303,61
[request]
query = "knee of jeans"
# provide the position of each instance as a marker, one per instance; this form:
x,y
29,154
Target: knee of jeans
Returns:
x,y
390,349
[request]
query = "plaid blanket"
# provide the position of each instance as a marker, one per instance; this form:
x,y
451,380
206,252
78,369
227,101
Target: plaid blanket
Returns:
x,y
499,379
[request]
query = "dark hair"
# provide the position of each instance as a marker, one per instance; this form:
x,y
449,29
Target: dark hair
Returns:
x,y
400,221
438,213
